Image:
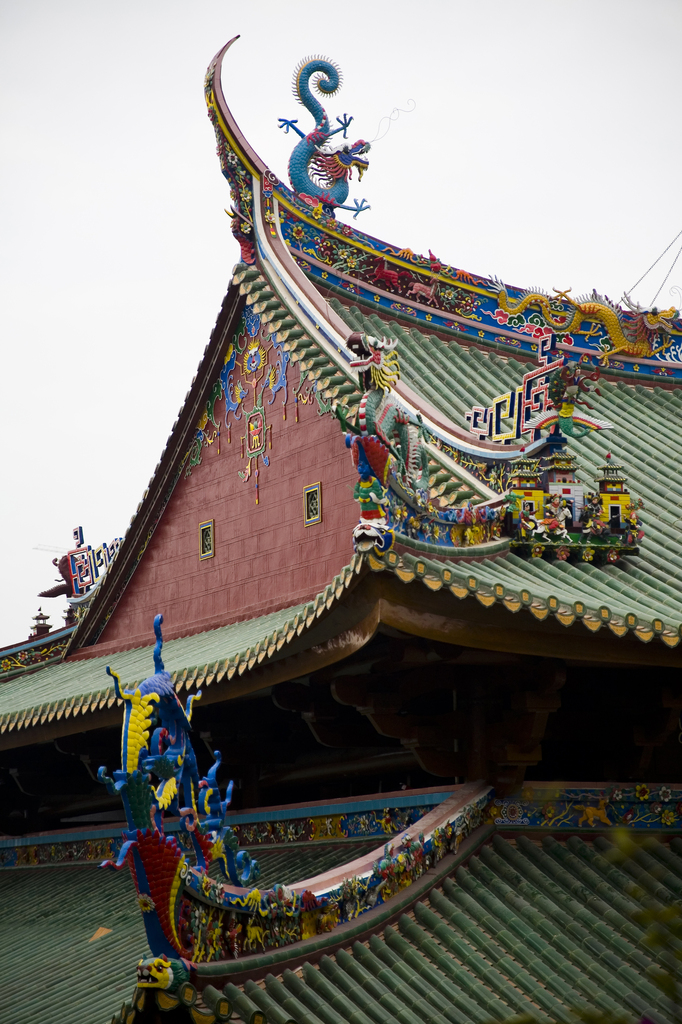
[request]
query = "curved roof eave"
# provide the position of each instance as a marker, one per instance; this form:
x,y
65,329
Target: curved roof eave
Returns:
x,y
299,295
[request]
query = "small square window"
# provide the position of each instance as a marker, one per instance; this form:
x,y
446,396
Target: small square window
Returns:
x,y
206,548
312,504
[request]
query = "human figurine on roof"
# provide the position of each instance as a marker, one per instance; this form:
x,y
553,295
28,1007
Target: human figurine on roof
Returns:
x,y
593,525
552,525
633,525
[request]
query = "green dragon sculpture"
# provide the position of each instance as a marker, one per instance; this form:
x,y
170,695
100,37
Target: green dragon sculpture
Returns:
x,y
380,414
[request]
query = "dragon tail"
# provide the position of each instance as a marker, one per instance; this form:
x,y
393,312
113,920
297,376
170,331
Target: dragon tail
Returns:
x,y
328,82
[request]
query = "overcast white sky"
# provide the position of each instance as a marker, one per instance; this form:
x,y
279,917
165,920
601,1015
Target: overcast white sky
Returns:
x,y
544,148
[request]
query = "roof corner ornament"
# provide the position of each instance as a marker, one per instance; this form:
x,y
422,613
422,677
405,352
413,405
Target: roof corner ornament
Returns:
x,y
234,169
319,172
156,741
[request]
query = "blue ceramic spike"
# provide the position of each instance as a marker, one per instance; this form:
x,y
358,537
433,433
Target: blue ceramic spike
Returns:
x,y
158,660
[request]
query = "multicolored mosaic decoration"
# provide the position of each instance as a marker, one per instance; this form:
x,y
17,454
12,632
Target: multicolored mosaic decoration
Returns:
x,y
388,450
36,653
325,828
255,371
358,825
638,806
592,330
551,515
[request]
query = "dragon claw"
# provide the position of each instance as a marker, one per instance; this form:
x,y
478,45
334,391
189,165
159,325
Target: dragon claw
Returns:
x,y
286,123
345,123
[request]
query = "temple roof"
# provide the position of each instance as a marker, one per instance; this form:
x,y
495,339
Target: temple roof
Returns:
x,y
513,924
639,594
74,687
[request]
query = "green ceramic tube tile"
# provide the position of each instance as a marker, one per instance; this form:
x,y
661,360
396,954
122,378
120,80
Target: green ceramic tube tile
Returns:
x,y
355,992
654,868
295,1009
582,915
311,999
399,989
562,964
453,969
609,871
243,1006
535,969
375,989
617,907
638,873
671,860
275,1013
438,981
570,937
418,984
324,988
476,963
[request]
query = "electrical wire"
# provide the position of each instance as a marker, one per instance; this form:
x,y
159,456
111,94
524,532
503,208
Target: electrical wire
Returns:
x,y
668,274
654,264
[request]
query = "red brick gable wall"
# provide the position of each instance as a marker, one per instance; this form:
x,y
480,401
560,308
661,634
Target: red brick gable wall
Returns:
x,y
265,558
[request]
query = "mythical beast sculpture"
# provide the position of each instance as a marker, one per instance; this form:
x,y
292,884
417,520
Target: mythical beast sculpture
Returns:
x,y
156,739
566,385
645,334
319,172
379,413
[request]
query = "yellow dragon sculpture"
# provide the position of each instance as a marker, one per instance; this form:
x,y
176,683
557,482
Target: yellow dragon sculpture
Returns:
x,y
640,337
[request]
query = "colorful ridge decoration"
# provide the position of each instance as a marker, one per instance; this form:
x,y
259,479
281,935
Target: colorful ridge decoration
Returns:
x,y
545,510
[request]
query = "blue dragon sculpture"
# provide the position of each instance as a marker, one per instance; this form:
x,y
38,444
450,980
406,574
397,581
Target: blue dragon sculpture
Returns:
x,y
318,172
170,756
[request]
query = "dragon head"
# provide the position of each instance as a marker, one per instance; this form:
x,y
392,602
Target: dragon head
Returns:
x,y
354,156
381,359
660,319
160,972
654,319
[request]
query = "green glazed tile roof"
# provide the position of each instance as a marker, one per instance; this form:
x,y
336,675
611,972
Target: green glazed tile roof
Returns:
x,y
75,687
51,972
641,593
546,932
289,863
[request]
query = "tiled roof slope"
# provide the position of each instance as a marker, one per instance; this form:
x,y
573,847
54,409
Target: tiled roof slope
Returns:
x,y
53,971
76,687
288,863
640,593
541,931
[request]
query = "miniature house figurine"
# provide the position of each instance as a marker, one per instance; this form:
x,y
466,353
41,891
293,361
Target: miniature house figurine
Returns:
x,y
615,496
525,484
561,467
